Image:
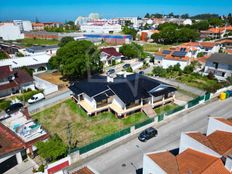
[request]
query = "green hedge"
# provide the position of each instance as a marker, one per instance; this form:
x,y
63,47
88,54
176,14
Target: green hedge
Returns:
x,y
4,104
27,95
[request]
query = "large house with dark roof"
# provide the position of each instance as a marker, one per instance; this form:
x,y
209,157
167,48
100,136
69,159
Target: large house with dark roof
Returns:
x,y
122,95
220,65
13,81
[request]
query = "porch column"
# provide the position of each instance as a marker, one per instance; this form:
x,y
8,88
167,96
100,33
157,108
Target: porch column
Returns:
x,y
141,103
163,100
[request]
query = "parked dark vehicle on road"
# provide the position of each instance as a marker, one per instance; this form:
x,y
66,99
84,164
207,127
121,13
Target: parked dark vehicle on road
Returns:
x,y
148,134
110,71
127,65
13,108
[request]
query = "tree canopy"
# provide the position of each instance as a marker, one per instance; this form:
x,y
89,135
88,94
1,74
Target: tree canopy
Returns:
x,y
131,31
77,59
132,50
53,149
65,40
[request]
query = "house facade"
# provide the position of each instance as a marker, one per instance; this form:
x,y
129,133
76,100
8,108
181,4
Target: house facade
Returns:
x,y
110,55
14,81
220,65
121,95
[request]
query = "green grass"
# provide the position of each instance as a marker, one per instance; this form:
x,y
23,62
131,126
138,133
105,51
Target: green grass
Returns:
x,y
84,129
30,42
4,104
165,108
190,94
155,47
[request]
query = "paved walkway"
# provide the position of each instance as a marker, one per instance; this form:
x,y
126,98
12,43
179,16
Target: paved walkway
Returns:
x,y
23,168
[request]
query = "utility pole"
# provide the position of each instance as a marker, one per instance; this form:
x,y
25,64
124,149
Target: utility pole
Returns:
x,y
69,138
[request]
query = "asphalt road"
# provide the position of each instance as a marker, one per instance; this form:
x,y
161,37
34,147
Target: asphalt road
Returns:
x,y
128,157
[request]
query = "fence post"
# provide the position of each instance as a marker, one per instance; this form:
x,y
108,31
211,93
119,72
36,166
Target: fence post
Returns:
x,y
132,130
75,156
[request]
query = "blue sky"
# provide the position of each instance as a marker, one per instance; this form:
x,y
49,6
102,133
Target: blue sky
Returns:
x,y
61,10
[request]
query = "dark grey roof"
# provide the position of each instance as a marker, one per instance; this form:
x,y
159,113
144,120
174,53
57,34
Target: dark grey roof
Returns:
x,y
35,49
129,89
221,58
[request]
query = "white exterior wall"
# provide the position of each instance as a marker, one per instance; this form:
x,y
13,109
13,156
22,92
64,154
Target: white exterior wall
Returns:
x,y
27,86
101,29
150,167
215,124
27,26
46,86
166,63
117,101
188,142
90,101
9,31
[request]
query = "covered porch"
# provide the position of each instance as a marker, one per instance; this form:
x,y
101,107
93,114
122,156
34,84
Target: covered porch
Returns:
x,y
91,110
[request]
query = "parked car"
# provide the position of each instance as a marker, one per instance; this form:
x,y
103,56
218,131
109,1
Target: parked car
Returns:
x,y
141,72
147,134
35,98
110,71
127,65
13,108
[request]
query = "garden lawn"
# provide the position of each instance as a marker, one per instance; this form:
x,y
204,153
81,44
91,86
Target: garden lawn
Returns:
x,y
84,129
155,47
30,42
162,109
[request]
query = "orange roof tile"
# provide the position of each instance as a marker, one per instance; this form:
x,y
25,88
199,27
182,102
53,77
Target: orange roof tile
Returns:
x,y
222,142
84,170
219,141
226,121
166,161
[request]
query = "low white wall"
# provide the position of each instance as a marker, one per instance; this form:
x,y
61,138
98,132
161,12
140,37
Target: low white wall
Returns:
x,y
46,86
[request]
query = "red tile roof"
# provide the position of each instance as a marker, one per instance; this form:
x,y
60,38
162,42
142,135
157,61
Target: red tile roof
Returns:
x,y
189,161
22,77
166,161
9,141
84,170
219,141
226,121
111,51
10,85
5,72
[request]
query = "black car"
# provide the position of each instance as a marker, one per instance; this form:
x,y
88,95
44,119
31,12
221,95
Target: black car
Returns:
x,y
13,108
127,65
141,72
147,134
110,71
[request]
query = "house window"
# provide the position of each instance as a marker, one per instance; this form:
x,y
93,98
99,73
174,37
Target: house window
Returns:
x,y
215,64
230,67
223,74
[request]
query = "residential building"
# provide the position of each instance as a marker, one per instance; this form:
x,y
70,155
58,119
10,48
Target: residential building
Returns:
x,y
104,28
122,95
53,24
225,43
85,170
216,33
12,149
41,35
220,65
9,48
37,26
145,35
35,50
23,25
198,153
14,81
10,31
38,62
18,137
108,55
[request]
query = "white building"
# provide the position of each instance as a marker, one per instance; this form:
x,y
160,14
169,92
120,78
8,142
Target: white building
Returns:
x,y
23,25
198,153
101,28
10,31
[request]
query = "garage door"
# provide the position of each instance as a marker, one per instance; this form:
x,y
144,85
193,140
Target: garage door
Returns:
x,y
8,164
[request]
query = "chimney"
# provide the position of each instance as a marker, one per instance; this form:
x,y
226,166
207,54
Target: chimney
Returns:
x,y
228,164
110,79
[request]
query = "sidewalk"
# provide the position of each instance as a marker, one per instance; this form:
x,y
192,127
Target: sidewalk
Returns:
x,y
23,168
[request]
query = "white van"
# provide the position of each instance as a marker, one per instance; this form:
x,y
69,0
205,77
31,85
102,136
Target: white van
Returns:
x,y
35,98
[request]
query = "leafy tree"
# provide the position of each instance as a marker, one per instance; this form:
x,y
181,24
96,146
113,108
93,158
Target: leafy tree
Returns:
x,y
201,25
131,31
159,71
147,15
19,54
215,22
65,40
3,55
53,149
77,59
132,50
205,16
201,54
185,16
